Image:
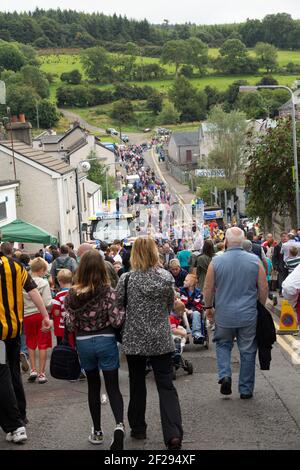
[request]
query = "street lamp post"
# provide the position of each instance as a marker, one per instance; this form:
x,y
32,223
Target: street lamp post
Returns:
x,y
250,89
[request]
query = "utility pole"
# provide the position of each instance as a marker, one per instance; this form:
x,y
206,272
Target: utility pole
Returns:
x,y
78,204
106,183
12,142
37,115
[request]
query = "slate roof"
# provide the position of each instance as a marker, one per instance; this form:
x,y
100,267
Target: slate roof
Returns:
x,y
186,138
51,139
45,159
91,187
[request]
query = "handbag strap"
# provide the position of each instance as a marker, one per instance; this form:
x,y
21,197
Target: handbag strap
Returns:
x,y
66,336
126,288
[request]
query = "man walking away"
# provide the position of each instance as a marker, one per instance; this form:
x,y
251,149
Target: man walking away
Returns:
x,y
64,261
13,279
234,281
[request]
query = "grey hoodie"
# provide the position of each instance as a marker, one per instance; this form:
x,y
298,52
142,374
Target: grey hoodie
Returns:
x,y
150,298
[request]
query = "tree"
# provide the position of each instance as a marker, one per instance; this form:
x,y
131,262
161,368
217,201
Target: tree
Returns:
x,y
132,50
51,29
175,52
23,99
74,77
35,78
187,71
234,58
263,104
30,54
42,42
228,133
187,100
270,167
168,115
11,58
232,94
294,36
96,64
198,53
204,186
97,174
213,96
122,111
252,104
154,102
152,71
277,28
267,80
266,55
252,32
48,114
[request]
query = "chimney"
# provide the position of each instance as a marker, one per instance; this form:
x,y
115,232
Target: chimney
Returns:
x,y
21,130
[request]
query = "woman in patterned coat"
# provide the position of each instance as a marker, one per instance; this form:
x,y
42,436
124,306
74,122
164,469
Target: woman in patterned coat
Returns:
x,y
147,292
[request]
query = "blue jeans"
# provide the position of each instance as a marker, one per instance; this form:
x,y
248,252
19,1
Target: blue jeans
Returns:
x,y
98,352
197,325
246,341
23,345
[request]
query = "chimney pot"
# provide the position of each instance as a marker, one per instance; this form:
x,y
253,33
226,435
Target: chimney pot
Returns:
x,y
22,117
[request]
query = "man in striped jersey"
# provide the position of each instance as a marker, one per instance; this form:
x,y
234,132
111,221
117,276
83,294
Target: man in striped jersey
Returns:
x,y
13,278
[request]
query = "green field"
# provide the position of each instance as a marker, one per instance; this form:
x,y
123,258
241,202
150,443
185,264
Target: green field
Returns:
x,y
58,63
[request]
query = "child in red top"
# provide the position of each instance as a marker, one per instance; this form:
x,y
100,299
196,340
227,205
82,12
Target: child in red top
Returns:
x,y
179,333
64,278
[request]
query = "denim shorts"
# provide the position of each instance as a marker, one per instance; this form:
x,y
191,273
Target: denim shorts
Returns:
x,y
98,352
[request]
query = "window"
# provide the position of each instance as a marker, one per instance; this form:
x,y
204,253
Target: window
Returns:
x,y
3,211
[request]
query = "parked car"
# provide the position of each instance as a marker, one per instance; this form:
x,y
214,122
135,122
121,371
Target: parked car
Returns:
x,y
112,131
147,129
124,138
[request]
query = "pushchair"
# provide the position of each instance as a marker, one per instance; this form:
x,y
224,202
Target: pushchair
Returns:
x,y
178,361
203,340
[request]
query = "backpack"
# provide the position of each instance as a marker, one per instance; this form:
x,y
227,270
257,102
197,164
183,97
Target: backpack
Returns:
x,y
62,263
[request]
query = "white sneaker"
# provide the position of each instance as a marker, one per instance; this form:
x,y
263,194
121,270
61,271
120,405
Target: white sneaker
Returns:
x,y
103,399
33,375
17,436
117,442
42,378
96,437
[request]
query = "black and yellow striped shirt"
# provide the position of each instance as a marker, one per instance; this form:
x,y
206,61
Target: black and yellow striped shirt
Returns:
x,y
13,278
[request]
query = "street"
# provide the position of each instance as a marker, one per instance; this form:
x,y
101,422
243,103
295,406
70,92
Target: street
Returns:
x,y
59,417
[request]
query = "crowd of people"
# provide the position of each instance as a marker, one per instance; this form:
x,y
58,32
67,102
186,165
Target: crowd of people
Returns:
x,y
167,288
157,292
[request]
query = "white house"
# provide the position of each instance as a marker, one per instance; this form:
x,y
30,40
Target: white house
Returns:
x,y
48,190
8,210
74,146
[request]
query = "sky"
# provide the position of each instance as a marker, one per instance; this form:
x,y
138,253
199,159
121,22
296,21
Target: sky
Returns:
x,y
195,11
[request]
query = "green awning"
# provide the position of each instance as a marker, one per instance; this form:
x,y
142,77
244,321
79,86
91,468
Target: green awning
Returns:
x,y
23,232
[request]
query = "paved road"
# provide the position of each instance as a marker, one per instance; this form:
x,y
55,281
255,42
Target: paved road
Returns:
x,y
134,137
59,416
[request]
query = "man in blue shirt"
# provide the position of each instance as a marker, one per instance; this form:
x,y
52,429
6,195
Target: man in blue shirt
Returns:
x,y
234,281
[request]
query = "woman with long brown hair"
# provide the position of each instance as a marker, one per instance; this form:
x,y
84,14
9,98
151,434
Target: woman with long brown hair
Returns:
x,y
92,313
148,295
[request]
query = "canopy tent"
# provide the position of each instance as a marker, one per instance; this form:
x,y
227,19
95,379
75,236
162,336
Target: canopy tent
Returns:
x,y
23,232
